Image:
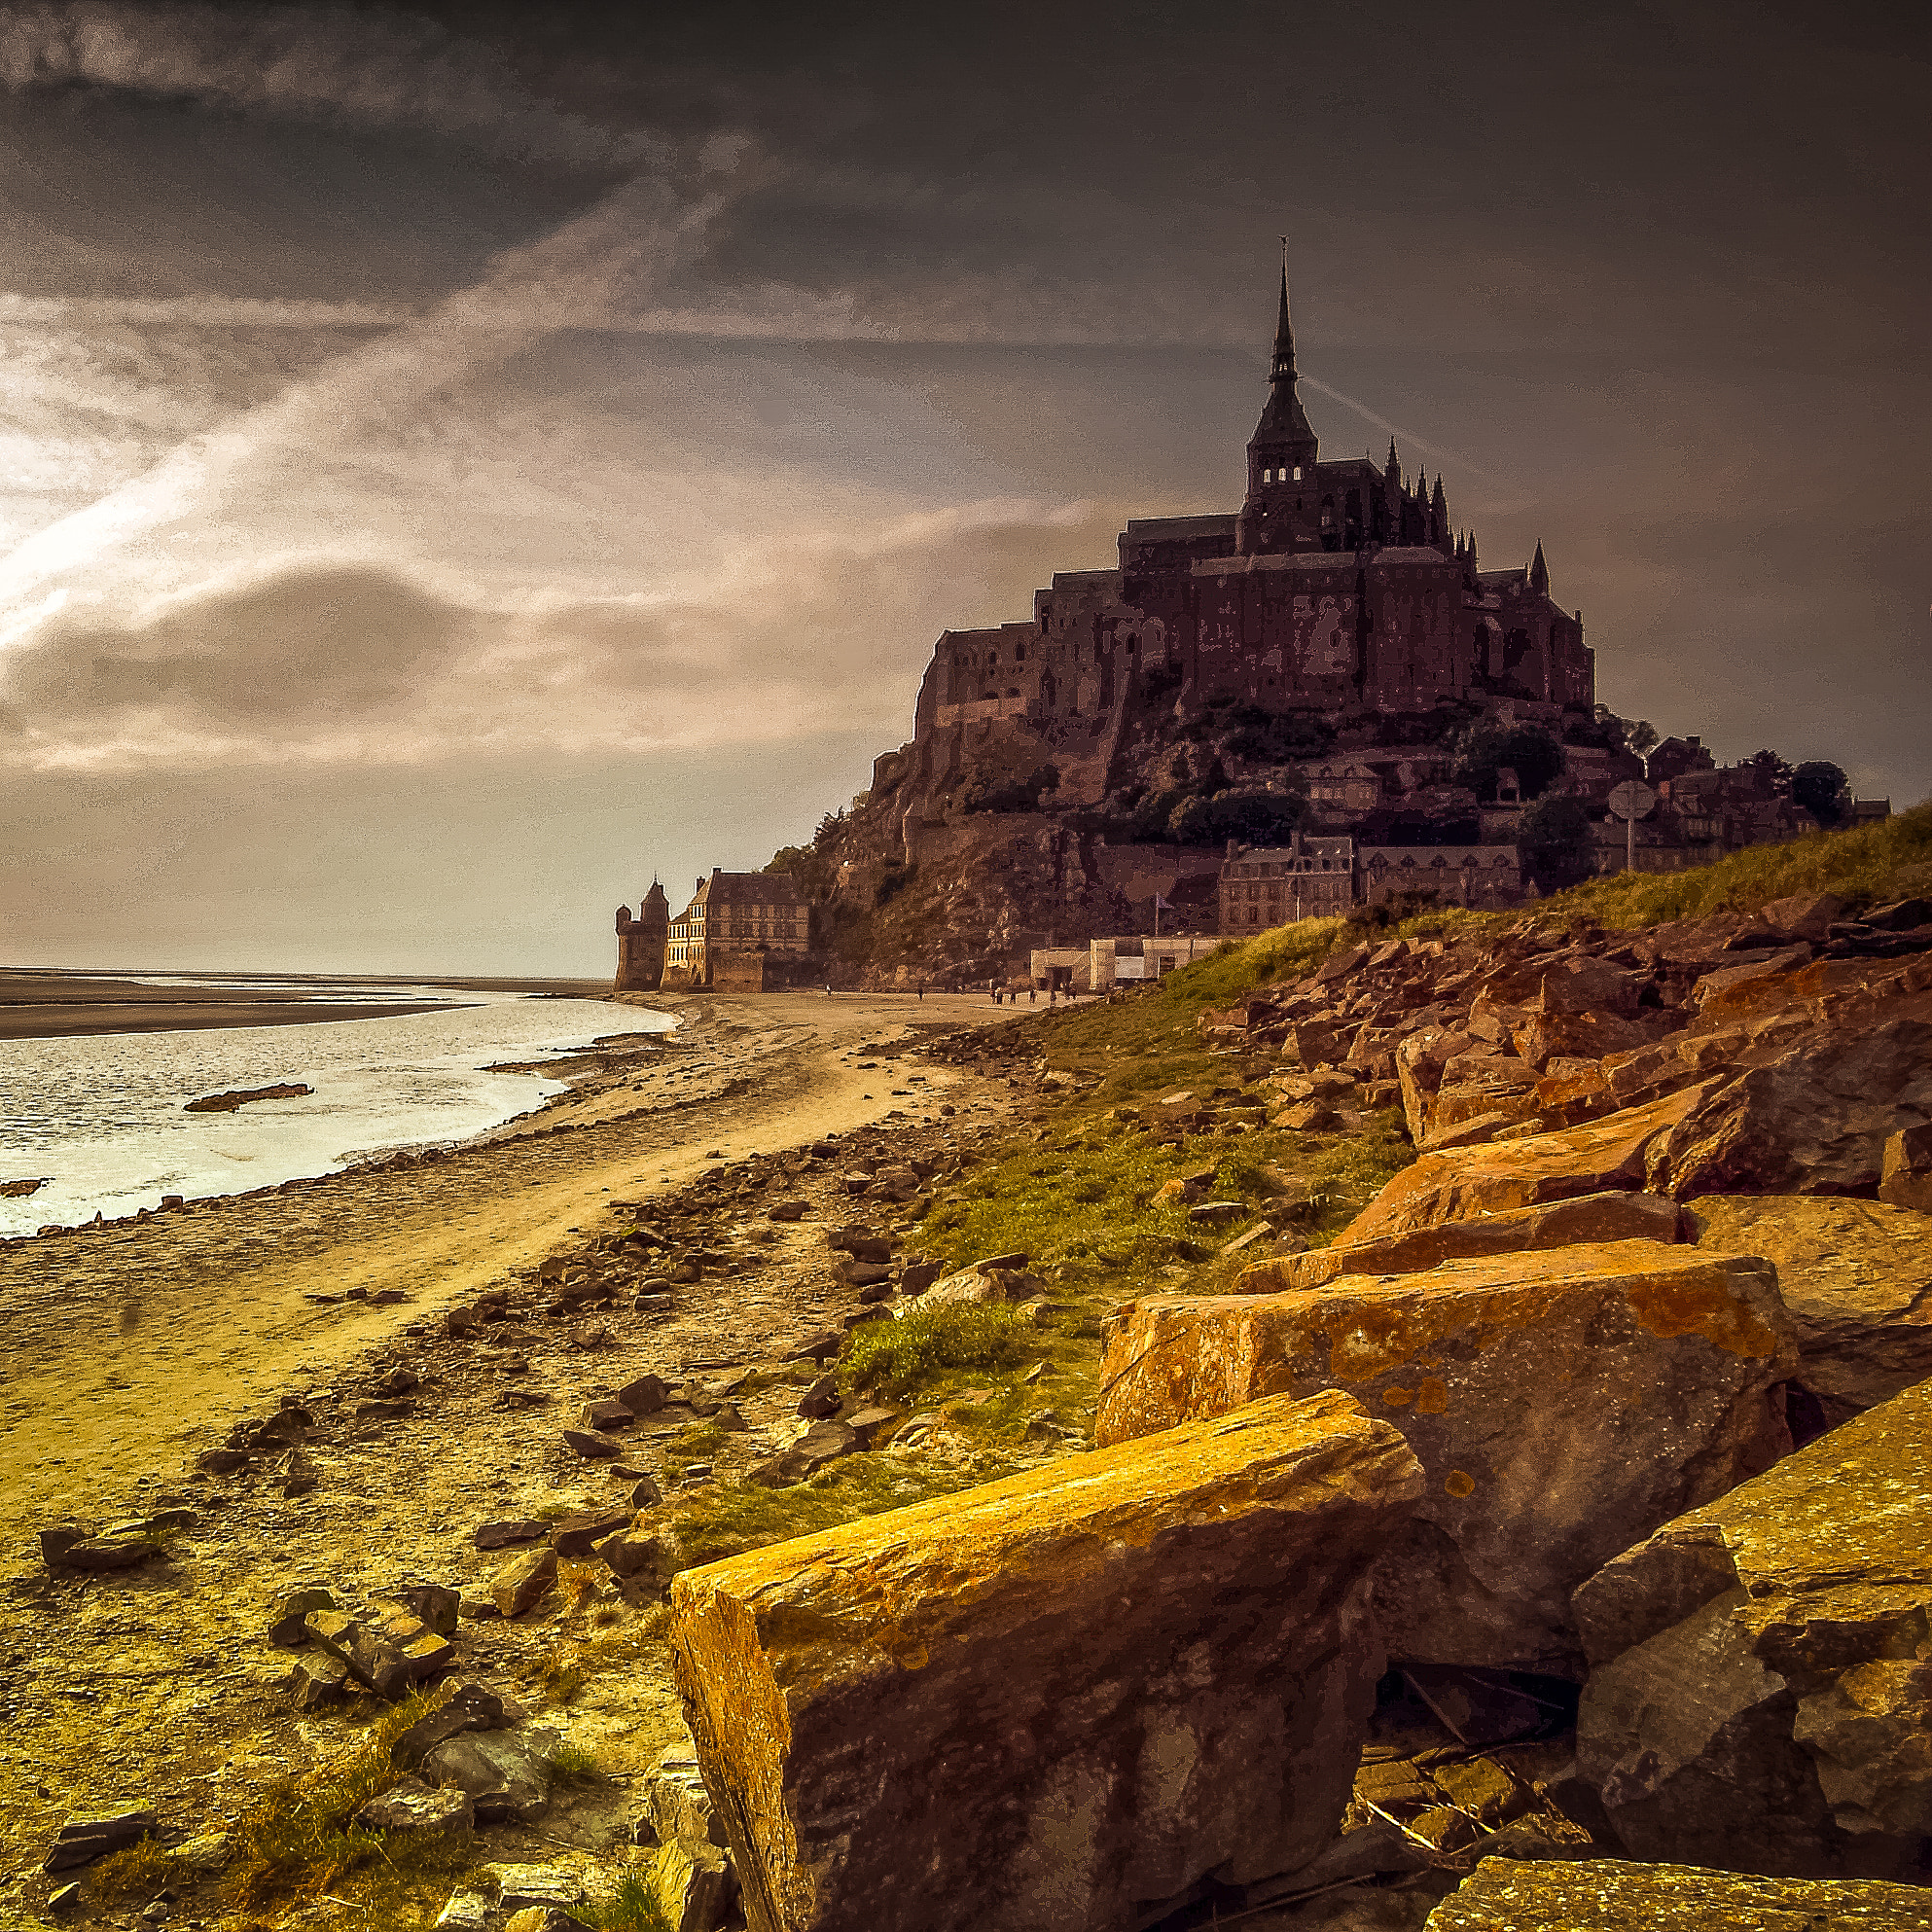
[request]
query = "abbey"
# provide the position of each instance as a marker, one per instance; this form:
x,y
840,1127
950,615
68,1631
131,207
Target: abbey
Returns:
x,y
1336,589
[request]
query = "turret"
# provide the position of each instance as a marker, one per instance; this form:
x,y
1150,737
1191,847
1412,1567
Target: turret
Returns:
x,y
1439,529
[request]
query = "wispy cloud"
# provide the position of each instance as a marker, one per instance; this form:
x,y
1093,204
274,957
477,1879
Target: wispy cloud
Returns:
x,y
355,67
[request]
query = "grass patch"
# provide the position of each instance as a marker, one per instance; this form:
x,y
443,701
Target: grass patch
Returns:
x,y
696,1442
630,1906
300,1841
909,1355
560,1678
139,1871
569,1763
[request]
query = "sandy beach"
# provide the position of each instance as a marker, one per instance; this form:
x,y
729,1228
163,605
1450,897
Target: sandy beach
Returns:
x,y
130,1346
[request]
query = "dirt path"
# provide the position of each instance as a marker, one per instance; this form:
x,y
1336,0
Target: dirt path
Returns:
x,y
128,1349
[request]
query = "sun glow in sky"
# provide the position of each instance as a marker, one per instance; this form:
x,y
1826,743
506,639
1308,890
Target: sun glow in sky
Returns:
x,y
456,461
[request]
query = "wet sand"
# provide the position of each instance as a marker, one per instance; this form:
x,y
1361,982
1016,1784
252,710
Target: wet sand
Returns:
x,y
55,1005
130,1347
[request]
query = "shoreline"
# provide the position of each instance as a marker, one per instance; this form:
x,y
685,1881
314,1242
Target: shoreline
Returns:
x,y
132,1344
56,1005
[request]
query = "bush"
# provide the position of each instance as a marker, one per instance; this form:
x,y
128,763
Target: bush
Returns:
x,y
1255,818
901,1356
1819,787
1483,749
630,1907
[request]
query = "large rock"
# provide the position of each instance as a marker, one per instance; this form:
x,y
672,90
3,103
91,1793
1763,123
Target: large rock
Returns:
x,y
504,1772
1905,1177
1814,1119
1563,1404
1607,1895
1562,1224
1603,1155
1857,1277
1760,1690
90,1835
1037,1703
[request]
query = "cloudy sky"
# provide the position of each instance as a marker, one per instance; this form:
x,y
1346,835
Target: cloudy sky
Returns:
x,y
457,460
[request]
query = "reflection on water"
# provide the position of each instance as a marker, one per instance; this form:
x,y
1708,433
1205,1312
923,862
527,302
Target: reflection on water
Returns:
x,y
100,1116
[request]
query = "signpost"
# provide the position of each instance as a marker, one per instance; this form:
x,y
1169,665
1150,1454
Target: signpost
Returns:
x,y
1632,800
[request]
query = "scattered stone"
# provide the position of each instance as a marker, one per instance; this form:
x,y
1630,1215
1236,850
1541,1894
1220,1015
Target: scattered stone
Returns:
x,y
1014,1738
298,1473
384,1411
499,1533
576,1536
604,1415
816,1348
821,1400
90,1835
649,1557
676,1804
435,1605
1608,1895
1218,1213
63,1898
316,1682
412,1806
788,1210
645,1495
286,1621
821,1444
466,1911
590,1445
523,1581
868,1424
1754,1697
1563,1404
644,1396
121,1547
521,1886
206,1854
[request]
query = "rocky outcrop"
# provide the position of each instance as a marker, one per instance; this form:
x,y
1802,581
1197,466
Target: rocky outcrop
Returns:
x,y
239,1097
1761,1689
1561,1405
1563,1224
1857,1277
1040,1703
1608,1895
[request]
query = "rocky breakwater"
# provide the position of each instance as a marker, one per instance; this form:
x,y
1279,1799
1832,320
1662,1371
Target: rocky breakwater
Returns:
x,y
1053,1701
1760,1695
1561,1405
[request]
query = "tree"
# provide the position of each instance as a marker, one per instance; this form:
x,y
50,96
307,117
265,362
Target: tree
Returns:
x,y
1771,773
1483,749
1637,734
1819,787
1255,818
1557,842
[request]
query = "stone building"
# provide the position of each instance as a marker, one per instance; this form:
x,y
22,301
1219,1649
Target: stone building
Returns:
x,y
1309,878
1481,876
743,932
1339,587
642,944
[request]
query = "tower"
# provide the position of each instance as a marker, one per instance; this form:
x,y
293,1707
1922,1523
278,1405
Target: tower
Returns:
x,y
1282,451
642,944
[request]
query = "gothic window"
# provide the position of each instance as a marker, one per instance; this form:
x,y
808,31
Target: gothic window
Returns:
x,y
1019,654
1298,474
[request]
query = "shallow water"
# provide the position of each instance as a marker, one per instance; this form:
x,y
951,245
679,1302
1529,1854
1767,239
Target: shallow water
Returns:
x,y
101,1116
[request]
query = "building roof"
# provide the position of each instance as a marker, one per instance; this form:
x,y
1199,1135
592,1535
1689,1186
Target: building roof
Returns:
x,y
1311,561
1156,527
746,888
1412,556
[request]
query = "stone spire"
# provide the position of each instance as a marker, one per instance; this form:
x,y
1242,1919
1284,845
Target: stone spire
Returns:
x,y
1282,369
1539,572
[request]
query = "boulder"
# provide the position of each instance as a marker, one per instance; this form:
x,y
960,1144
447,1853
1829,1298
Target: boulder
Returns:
x,y
1036,1703
435,1605
523,1581
647,1555
1905,1171
691,1879
1814,1119
469,1707
1561,1224
1857,1277
499,1535
1608,1895
645,1395
1592,1159
318,1681
1563,1404
604,1412
676,1804
823,1443
1760,1695
593,1446
503,1771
